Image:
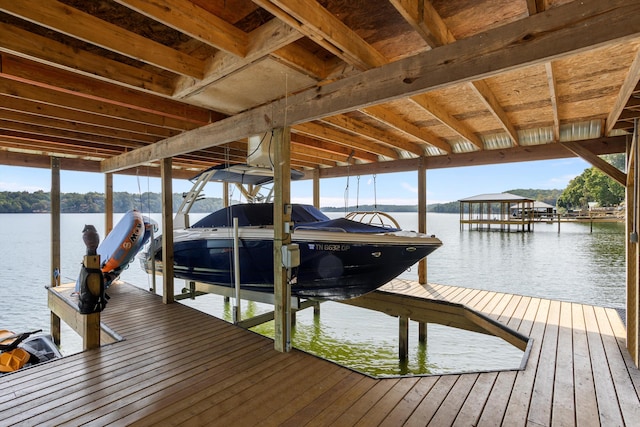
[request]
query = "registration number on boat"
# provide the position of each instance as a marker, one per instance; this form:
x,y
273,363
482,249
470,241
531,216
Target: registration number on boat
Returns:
x,y
328,247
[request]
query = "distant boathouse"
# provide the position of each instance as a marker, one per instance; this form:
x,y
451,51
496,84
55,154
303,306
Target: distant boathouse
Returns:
x,y
502,211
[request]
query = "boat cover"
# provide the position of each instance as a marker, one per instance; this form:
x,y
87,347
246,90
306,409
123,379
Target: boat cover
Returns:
x,y
257,214
303,216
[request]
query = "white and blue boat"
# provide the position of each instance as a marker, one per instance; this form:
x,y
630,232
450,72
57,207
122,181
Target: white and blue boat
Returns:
x,y
339,258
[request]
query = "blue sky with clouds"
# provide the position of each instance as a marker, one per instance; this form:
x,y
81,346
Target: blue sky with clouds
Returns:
x,y
443,185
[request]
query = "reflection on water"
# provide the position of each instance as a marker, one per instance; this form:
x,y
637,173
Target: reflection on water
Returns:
x,y
573,265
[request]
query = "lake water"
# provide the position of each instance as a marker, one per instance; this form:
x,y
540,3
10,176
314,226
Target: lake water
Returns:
x,y
573,265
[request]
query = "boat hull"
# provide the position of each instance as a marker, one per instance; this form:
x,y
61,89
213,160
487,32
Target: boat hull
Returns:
x,y
330,268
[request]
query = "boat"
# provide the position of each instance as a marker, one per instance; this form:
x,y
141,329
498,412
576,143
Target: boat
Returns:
x,y
338,258
19,351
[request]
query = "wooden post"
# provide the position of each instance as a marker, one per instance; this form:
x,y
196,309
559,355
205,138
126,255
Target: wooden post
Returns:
x,y
403,338
55,240
91,322
167,231
633,255
281,237
422,216
316,188
225,194
422,332
108,204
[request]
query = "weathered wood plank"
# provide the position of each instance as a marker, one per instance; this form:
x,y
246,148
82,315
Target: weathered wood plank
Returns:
x,y
517,404
584,393
608,409
451,405
469,413
628,400
365,403
341,405
564,410
391,399
403,409
542,394
426,409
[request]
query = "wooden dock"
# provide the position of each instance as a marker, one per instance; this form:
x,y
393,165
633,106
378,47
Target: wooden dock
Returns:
x,y
180,366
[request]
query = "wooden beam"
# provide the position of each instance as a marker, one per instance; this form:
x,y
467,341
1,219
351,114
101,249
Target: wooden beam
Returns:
x,y
314,21
628,87
66,82
376,135
75,23
425,20
562,31
447,119
41,49
597,146
317,130
422,15
392,119
493,105
553,95
190,19
610,170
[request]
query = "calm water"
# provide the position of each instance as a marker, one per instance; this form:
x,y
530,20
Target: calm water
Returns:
x,y
574,265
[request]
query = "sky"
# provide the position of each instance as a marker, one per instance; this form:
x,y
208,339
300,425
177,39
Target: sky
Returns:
x,y
443,185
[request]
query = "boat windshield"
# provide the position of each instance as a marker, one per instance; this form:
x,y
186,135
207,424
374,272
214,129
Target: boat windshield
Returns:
x,y
258,214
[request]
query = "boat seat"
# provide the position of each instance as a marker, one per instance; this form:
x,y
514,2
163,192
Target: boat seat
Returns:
x,y
13,360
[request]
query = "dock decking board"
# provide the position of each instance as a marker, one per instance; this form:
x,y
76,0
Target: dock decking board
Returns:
x,y
179,366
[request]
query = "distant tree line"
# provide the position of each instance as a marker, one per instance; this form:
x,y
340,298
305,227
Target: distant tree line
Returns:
x,y
590,186
40,201
594,186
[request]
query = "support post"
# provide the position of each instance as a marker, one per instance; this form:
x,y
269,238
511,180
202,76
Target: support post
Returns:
x,y
403,338
167,231
108,203
281,237
316,188
55,241
422,216
633,255
422,332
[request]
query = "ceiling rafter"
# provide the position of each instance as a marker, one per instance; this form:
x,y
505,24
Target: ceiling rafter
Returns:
x,y
317,23
393,120
75,23
626,90
425,20
317,130
33,107
337,152
421,14
83,86
190,19
82,128
376,135
435,69
447,119
22,43
29,90
553,96
537,6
